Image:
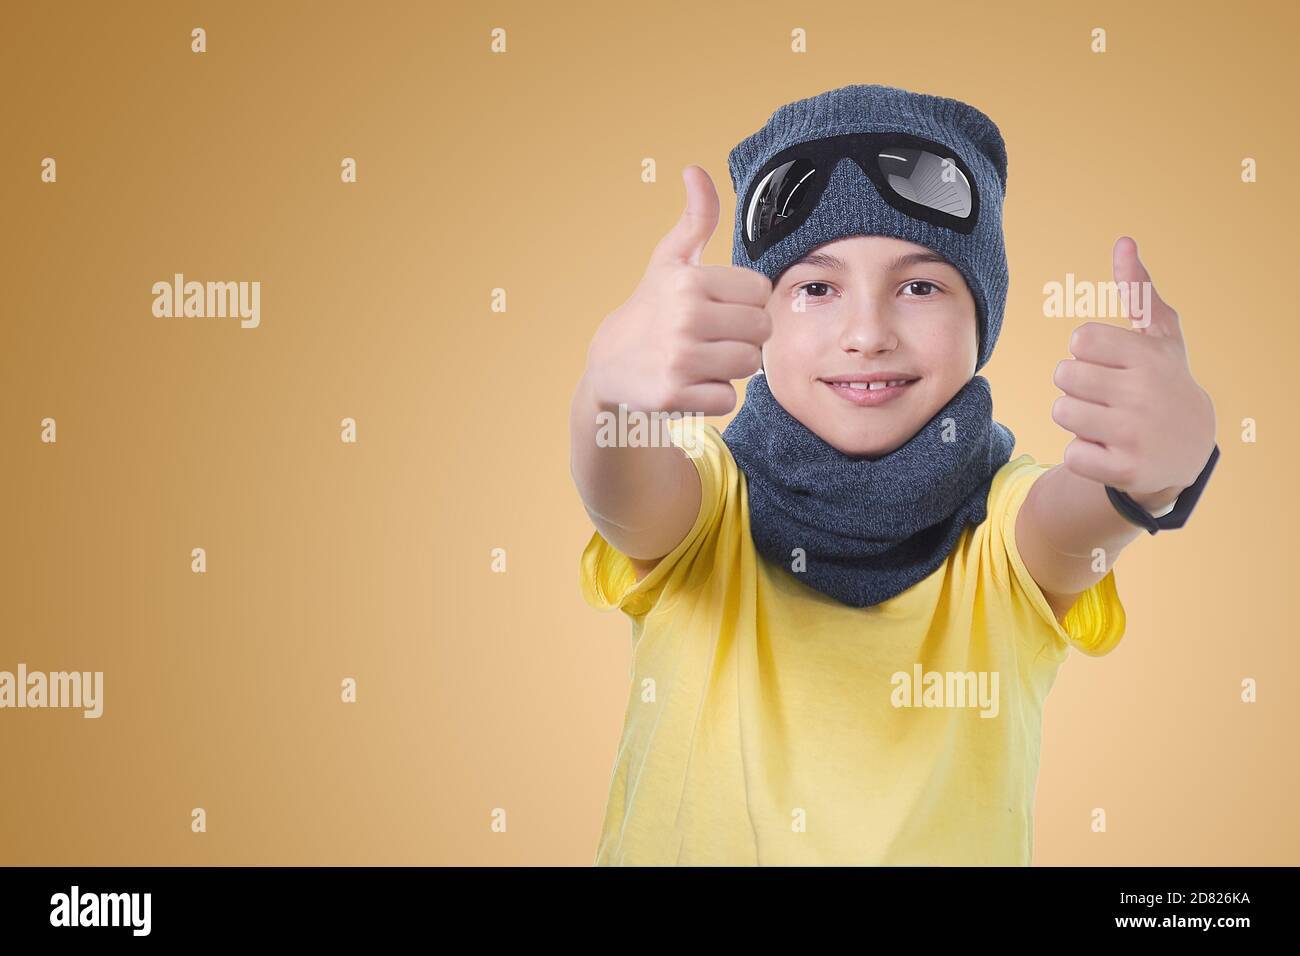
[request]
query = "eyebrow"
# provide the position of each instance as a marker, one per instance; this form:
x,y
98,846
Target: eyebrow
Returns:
x,y
825,260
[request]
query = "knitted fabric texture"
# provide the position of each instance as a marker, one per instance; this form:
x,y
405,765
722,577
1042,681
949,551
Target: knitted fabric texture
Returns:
x,y
865,530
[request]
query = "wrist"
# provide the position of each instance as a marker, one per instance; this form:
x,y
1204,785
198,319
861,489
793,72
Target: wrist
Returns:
x,y
1164,509
1160,502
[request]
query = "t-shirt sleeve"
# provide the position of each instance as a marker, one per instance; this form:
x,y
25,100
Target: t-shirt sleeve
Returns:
x,y
1095,623
607,577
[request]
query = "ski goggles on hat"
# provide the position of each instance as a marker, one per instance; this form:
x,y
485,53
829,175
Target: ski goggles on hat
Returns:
x,y
917,176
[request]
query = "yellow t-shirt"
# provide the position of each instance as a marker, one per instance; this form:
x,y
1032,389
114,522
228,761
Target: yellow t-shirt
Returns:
x,y
769,724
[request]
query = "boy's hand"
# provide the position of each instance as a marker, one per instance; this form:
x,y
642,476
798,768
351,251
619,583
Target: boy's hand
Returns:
x,y
688,330
1142,423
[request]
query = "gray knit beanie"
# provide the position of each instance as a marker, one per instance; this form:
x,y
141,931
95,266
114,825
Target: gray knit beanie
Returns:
x,y
850,204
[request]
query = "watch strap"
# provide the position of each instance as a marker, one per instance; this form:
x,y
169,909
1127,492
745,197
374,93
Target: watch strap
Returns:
x,y
1182,508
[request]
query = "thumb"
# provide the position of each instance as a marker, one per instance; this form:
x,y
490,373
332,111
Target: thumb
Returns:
x,y
686,241
1148,312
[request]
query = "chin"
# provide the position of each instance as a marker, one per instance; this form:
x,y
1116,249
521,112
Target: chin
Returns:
x,y
855,447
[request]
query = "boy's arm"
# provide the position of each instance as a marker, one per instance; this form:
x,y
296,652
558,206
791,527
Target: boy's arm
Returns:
x,y
1063,518
675,345
642,500
1141,423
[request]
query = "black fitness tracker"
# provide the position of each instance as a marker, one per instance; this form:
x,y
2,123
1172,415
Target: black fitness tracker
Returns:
x,y
1176,518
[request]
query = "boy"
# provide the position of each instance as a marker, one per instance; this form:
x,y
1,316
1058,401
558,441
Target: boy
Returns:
x,y
848,608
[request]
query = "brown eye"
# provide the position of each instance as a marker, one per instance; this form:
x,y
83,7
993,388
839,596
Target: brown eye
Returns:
x,y
930,287
808,288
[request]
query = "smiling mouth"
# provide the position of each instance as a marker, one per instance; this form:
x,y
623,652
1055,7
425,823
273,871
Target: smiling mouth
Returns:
x,y
870,394
872,386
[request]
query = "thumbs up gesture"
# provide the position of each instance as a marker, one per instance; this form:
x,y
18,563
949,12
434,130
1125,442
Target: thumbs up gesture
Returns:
x,y
1142,424
688,329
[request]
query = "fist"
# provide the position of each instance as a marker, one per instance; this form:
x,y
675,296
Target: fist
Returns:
x,y
688,329
1141,422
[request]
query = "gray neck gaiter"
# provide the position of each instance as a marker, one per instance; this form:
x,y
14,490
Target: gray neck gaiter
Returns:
x,y
869,530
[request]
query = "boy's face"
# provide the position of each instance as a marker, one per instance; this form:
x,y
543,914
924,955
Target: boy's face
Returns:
x,y
869,307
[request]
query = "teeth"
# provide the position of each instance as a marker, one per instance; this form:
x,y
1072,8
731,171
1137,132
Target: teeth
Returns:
x,y
872,386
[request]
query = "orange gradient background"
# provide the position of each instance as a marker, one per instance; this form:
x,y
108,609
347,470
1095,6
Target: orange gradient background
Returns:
x,y
522,171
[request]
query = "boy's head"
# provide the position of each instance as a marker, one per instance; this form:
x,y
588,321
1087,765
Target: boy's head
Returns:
x,y
877,214
866,305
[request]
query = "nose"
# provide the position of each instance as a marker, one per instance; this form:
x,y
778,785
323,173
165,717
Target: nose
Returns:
x,y
868,328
